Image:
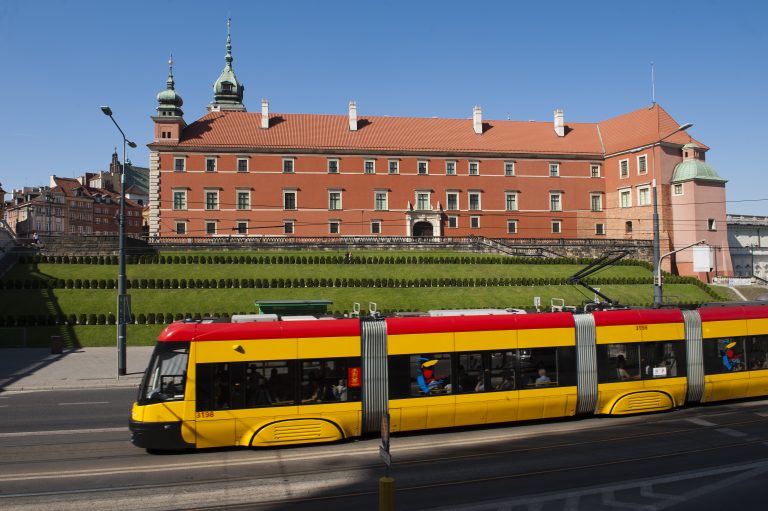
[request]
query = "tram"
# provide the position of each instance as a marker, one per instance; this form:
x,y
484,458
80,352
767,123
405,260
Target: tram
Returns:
x,y
215,384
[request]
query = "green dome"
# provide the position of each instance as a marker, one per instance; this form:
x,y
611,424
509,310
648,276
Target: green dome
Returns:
x,y
695,170
169,101
227,90
169,97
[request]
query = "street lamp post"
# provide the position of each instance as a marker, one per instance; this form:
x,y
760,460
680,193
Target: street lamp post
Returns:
x,y
122,298
657,292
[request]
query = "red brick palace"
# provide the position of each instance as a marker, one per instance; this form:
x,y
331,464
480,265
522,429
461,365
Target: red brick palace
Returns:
x,y
234,172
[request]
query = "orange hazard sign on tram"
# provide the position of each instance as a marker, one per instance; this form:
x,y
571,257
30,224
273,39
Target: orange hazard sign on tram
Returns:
x,y
354,377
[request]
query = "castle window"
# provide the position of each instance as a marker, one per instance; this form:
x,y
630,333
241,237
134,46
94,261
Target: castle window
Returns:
x,y
557,226
509,168
677,189
511,226
594,170
394,167
450,168
600,229
210,164
474,168
242,164
642,164
179,164
333,166
423,168
624,168
370,167
554,170
474,222
711,224
288,165
628,227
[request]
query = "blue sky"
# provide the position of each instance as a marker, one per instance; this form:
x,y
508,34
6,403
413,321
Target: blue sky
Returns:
x,y
61,60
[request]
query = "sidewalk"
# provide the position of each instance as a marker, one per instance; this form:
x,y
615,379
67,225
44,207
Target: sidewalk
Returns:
x,y
82,368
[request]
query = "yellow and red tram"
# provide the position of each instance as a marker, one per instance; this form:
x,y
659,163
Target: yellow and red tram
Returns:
x,y
291,382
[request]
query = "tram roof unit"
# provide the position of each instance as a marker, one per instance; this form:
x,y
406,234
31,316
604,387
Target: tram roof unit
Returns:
x,y
637,316
733,311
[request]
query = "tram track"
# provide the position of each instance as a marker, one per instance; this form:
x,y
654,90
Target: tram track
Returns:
x,y
201,484
337,472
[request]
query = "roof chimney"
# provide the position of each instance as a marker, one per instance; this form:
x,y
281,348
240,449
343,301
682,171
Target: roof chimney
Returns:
x,y
352,116
477,120
559,123
264,114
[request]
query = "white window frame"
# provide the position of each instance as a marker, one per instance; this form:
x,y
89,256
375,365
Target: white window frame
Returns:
x,y
555,205
476,171
185,205
376,202
330,194
428,193
677,189
622,173
376,223
215,163
643,157
218,199
474,221
557,227
592,197
554,169
509,168
396,170
237,199
182,223
215,225
453,222
448,170
448,195
237,226
247,165
595,167
625,192
292,224
295,199
470,194
292,165
599,229
372,164
338,165
183,160
337,223
512,223
426,167
640,190
513,196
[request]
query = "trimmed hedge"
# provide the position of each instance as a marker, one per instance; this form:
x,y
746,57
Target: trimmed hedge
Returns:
x,y
280,283
314,259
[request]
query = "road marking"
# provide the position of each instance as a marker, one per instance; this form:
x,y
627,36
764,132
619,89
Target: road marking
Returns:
x,y
701,422
762,414
85,403
4,406
731,432
61,432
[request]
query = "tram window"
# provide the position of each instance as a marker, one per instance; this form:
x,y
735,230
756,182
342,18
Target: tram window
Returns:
x,y
329,381
663,359
618,362
566,366
470,376
399,369
757,351
503,369
723,355
166,378
538,367
430,374
269,383
236,385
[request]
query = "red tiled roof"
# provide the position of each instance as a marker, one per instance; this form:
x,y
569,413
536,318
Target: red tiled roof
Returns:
x,y
641,127
430,135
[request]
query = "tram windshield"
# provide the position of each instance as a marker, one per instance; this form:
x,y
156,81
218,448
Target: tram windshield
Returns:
x,y
166,375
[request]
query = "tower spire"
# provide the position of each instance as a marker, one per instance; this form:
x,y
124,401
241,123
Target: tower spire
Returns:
x,y
227,90
169,82
228,58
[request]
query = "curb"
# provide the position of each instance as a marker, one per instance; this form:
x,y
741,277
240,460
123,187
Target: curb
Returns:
x,y
29,388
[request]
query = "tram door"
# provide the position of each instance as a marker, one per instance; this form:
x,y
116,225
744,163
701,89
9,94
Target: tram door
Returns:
x,y
219,386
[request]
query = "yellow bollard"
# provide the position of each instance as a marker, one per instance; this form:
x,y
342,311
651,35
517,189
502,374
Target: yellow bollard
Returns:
x,y
386,494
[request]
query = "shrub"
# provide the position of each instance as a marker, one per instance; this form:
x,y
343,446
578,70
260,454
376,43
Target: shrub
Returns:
x,y
142,319
111,319
91,319
151,318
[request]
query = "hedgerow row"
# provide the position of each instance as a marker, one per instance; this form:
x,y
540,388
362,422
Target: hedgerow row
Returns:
x,y
309,259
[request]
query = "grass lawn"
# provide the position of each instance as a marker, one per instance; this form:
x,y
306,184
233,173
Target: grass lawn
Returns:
x,y
77,336
261,271
74,301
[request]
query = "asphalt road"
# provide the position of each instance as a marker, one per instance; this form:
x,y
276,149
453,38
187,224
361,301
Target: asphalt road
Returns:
x,y
71,451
